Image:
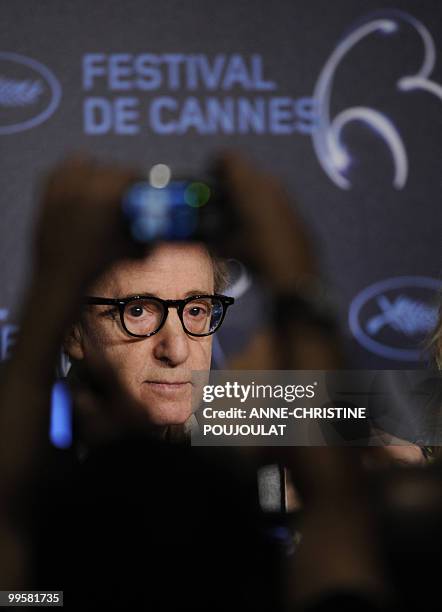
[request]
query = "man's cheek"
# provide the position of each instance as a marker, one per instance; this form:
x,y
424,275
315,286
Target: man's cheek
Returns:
x,y
118,360
202,354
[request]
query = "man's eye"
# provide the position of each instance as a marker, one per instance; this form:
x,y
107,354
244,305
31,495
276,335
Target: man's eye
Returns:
x,y
136,311
198,311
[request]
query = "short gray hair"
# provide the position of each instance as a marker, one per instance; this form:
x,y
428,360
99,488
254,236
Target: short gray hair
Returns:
x,y
220,272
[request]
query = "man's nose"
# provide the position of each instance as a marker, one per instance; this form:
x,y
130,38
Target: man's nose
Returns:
x,y
172,342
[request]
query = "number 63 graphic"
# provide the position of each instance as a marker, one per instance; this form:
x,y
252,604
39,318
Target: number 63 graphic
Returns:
x,y
327,137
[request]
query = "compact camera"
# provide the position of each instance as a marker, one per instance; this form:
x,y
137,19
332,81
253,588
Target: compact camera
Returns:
x,y
181,210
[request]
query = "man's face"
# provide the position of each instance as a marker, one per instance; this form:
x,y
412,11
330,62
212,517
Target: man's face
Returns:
x,y
154,371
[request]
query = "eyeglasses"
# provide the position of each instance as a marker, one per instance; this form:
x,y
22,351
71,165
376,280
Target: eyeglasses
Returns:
x,y
143,316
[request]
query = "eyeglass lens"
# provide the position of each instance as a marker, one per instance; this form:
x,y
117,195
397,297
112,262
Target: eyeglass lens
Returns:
x,y
200,316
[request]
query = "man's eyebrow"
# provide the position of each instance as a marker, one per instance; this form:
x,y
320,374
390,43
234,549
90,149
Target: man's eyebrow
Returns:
x,y
196,292
132,294
152,294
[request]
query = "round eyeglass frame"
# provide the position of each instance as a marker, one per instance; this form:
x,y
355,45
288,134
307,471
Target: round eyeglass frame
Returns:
x,y
122,303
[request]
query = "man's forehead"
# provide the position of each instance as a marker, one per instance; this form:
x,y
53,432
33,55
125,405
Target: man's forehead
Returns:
x,y
170,270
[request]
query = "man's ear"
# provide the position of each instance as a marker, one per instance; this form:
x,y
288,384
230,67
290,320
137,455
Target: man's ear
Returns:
x,y
73,343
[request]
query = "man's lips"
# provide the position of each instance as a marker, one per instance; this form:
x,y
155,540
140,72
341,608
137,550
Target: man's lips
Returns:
x,y
168,388
168,382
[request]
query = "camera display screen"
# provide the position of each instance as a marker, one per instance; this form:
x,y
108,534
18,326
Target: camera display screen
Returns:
x,y
172,212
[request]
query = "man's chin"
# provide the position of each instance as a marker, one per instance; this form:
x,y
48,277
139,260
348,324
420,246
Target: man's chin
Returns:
x,y
168,415
167,404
